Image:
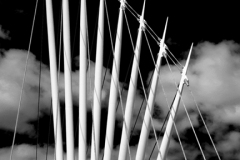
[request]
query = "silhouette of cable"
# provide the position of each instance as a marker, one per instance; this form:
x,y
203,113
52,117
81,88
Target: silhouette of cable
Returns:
x,y
23,81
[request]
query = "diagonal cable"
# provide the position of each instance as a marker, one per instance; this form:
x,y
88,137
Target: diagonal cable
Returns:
x,y
204,123
24,76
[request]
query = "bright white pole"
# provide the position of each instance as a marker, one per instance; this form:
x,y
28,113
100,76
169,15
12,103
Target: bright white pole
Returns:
x,y
82,145
54,82
114,87
151,98
68,82
131,92
167,134
98,85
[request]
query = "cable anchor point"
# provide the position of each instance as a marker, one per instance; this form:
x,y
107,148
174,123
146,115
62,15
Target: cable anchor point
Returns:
x,y
123,4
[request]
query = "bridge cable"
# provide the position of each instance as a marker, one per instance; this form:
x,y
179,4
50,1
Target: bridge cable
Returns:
x,y
187,113
23,81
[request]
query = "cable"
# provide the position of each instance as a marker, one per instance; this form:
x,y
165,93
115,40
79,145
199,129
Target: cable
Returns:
x,y
187,115
179,69
24,76
174,57
204,123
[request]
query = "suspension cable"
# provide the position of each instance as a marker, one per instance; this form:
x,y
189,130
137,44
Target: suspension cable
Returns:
x,y
24,76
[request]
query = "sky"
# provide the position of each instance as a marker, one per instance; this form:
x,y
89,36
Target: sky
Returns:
x,y
214,73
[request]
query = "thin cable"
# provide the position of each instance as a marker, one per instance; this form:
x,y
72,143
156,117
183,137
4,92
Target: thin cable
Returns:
x,y
136,14
145,95
152,31
179,69
154,38
24,76
174,57
169,107
199,145
204,123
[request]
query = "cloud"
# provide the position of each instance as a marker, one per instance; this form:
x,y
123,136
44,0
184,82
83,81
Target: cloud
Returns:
x,y
12,66
214,74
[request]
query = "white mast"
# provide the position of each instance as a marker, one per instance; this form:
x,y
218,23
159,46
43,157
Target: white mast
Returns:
x,y
82,145
98,85
54,83
151,98
68,82
167,135
114,87
131,92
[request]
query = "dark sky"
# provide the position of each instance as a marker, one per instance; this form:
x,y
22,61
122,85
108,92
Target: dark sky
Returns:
x,y
199,22
188,22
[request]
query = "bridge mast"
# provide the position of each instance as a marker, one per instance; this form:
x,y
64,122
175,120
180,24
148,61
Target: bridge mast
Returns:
x,y
167,135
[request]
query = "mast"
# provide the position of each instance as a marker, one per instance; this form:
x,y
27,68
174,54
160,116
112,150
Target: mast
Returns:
x,y
82,145
98,85
68,82
114,86
167,135
54,83
151,98
131,92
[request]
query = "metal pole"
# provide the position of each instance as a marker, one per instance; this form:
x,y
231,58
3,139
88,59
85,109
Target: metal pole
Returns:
x,y
98,85
114,87
54,83
82,146
167,135
151,98
131,92
68,82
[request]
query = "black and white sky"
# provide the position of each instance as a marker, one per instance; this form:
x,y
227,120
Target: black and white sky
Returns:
x,y
214,75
